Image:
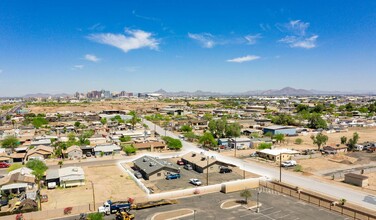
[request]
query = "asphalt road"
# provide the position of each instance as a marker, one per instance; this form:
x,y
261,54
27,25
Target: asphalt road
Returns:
x,y
354,196
273,206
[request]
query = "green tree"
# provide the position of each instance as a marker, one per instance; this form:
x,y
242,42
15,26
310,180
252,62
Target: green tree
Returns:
x,y
129,149
232,130
217,127
39,122
134,120
246,194
315,121
14,166
39,168
279,138
207,116
264,145
77,124
125,138
343,140
104,121
190,136
207,140
319,140
353,141
186,128
172,143
10,142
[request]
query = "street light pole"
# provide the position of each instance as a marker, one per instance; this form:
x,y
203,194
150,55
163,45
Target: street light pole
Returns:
x,y
258,208
235,145
280,167
194,214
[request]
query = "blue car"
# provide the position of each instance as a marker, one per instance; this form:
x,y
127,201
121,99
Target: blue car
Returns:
x,y
172,176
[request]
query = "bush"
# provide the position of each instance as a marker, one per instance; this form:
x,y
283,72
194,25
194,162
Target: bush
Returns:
x,y
298,168
129,150
298,141
172,144
263,146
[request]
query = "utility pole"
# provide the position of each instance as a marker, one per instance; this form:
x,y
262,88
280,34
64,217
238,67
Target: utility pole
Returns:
x,y
92,187
207,170
280,167
235,145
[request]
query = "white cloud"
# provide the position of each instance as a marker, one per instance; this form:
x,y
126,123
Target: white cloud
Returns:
x,y
298,35
131,40
252,39
97,27
244,59
78,67
205,39
131,69
300,42
92,58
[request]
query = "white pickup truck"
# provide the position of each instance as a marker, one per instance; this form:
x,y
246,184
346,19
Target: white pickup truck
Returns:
x,y
288,163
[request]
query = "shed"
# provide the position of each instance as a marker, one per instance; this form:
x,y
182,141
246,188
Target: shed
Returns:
x,y
277,129
356,179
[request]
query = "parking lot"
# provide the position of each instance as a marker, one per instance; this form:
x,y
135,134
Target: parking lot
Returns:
x,y
274,206
183,181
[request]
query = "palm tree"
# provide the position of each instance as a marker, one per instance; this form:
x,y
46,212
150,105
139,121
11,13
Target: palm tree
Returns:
x,y
246,194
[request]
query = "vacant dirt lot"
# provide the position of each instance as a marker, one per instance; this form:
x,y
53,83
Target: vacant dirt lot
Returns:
x,y
141,105
109,183
365,134
371,181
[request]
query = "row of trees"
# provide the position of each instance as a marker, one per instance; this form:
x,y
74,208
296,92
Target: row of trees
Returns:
x,y
315,121
321,139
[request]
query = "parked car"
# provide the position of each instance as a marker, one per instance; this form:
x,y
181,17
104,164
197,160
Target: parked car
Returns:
x,y
4,165
225,170
195,182
180,162
43,198
51,185
288,163
254,154
3,202
172,176
88,154
188,167
138,175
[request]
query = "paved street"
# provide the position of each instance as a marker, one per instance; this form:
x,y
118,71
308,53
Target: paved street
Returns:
x,y
351,195
273,207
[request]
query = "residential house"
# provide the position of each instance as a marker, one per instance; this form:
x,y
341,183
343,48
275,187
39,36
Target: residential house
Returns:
x,y
45,142
277,154
18,181
335,149
152,168
40,153
202,163
150,146
73,152
240,143
107,149
66,177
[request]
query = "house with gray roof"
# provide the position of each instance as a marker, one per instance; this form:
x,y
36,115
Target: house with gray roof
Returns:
x,y
153,168
66,177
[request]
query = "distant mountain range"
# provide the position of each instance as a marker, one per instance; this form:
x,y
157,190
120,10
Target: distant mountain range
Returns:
x,y
287,91
45,95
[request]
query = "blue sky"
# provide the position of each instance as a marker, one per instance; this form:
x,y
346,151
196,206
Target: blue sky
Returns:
x,y
224,46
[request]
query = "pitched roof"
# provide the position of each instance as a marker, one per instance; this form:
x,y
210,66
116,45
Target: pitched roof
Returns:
x,y
41,149
198,159
72,148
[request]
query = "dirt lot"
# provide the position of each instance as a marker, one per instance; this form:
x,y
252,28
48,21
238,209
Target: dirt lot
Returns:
x,y
365,134
109,105
371,181
109,183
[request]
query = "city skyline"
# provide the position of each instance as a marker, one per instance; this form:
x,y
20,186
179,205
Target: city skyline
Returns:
x,y
62,47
